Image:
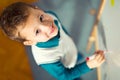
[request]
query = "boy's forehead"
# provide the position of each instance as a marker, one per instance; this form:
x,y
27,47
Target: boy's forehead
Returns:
x,y
36,11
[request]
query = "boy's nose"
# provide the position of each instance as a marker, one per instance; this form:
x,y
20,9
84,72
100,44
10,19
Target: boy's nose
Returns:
x,y
45,29
47,23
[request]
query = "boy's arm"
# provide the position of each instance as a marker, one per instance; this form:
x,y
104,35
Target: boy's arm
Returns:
x,y
61,73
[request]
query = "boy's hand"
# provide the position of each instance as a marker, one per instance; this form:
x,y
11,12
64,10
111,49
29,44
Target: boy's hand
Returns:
x,y
97,61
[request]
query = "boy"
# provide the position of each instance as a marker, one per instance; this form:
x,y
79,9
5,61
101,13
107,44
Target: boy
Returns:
x,y
52,48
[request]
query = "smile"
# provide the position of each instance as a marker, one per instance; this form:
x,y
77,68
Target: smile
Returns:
x,y
52,29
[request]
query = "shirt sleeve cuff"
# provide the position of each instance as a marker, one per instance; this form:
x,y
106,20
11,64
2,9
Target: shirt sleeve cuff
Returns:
x,y
86,67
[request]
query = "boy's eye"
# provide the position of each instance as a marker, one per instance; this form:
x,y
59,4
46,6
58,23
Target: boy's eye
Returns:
x,y
41,18
37,31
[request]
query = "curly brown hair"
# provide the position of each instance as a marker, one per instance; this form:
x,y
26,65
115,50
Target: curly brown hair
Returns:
x,y
12,16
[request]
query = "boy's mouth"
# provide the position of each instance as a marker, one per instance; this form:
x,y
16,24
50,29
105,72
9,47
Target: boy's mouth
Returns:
x,y
52,28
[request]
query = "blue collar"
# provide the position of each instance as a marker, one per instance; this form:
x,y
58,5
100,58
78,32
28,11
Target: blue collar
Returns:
x,y
52,42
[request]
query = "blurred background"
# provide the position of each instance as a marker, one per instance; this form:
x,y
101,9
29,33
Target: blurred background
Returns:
x,y
78,17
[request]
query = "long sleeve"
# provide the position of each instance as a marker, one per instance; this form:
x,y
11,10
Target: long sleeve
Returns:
x,y
58,71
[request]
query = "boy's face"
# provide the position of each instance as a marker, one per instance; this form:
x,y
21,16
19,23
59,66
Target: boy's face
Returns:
x,y
39,27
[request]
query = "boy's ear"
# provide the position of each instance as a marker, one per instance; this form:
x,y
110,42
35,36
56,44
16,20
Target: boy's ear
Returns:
x,y
28,43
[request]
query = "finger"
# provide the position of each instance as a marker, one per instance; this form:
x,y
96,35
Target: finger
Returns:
x,y
99,57
102,57
102,61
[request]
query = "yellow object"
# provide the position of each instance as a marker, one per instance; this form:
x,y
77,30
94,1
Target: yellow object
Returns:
x,y
112,2
4,3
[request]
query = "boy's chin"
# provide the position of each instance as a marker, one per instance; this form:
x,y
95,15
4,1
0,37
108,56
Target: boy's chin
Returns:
x,y
55,34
